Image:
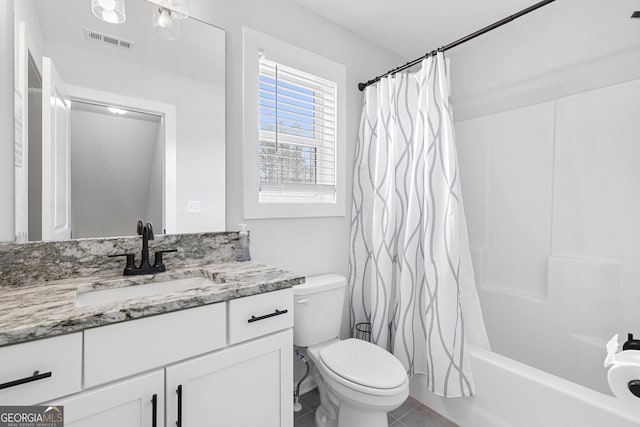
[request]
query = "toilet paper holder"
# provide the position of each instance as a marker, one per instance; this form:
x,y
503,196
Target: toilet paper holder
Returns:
x,y
634,387
631,344
626,357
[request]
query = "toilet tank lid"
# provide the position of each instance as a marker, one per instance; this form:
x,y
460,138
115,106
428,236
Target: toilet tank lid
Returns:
x,y
315,284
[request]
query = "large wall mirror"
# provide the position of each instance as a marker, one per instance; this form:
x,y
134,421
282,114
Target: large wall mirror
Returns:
x,y
116,122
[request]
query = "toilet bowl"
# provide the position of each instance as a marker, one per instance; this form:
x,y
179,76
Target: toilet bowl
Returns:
x,y
358,382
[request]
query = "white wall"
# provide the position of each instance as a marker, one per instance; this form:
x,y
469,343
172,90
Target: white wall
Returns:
x,y
310,245
6,122
112,165
566,47
547,110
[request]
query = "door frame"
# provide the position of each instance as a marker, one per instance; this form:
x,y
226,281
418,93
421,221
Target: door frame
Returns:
x,y
20,130
168,112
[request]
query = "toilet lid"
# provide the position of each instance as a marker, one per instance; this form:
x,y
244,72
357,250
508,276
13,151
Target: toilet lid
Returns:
x,y
364,363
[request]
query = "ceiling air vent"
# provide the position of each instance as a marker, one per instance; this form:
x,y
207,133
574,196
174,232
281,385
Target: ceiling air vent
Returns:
x,y
107,39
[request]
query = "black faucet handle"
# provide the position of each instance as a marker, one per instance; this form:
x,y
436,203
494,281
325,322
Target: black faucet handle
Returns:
x,y
150,231
140,227
158,261
131,261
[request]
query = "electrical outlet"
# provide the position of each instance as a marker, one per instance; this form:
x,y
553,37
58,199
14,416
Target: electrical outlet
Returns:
x,y
193,206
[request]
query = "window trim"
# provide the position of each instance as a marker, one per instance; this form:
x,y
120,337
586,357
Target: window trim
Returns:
x,y
287,54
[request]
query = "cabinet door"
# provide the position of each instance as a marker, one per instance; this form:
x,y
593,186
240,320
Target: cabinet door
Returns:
x,y
246,385
128,403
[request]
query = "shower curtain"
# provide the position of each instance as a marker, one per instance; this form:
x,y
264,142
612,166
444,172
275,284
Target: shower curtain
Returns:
x,y
410,272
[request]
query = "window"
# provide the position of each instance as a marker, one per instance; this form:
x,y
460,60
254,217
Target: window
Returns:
x,y
294,131
297,135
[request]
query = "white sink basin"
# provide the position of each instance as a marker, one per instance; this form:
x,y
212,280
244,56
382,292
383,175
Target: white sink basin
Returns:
x,y
106,296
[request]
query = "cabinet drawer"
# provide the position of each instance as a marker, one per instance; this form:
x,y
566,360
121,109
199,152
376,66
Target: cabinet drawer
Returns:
x,y
58,362
262,314
128,348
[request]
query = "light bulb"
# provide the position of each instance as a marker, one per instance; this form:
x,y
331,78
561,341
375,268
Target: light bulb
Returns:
x,y
107,4
117,111
112,11
109,16
165,19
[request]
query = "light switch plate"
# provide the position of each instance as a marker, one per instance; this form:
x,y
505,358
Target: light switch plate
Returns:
x,y
193,206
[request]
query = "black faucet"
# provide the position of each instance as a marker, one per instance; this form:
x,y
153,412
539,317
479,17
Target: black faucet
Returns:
x,y
146,231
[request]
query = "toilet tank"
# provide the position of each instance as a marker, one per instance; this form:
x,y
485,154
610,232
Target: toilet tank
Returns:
x,y
317,314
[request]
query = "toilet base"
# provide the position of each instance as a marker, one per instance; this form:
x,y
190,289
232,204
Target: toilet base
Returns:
x,y
354,417
323,419
351,417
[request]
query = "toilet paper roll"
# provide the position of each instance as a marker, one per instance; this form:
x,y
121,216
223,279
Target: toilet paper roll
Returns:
x,y
620,378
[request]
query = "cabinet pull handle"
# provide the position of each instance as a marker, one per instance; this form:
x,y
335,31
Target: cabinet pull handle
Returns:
x,y
35,377
266,316
154,409
179,392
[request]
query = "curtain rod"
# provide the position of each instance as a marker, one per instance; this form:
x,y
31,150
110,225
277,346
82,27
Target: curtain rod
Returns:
x,y
458,42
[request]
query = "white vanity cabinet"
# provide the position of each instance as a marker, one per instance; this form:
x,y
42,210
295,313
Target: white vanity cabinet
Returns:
x,y
231,362
245,385
134,402
248,383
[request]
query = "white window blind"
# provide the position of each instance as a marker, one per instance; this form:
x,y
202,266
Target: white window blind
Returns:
x,y
297,135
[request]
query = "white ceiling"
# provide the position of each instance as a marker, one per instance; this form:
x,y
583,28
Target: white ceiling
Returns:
x,y
411,28
198,53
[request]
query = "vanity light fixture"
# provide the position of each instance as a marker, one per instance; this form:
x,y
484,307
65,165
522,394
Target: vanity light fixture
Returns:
x,y
111,11
117,111
166,15
180,7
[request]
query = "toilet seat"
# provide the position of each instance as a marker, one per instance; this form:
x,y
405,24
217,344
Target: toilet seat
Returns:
x,y
363,367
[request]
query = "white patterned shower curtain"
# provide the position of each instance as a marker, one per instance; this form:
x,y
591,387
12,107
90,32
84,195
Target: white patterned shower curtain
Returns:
x,y
410,272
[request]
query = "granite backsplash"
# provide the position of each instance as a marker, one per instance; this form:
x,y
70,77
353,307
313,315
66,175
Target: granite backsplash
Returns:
x,y
32,262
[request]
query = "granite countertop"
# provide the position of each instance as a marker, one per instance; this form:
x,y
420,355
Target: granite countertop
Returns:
x,y
33,311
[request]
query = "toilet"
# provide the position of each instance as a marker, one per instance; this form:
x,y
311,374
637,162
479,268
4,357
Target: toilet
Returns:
x,y
358,382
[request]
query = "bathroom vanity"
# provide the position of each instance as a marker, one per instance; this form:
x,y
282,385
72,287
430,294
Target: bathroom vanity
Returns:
x,y
194,356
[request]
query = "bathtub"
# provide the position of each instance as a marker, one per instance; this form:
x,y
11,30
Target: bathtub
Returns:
x,y
511,394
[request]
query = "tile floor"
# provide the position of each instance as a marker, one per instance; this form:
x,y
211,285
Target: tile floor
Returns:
x,y
411,414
